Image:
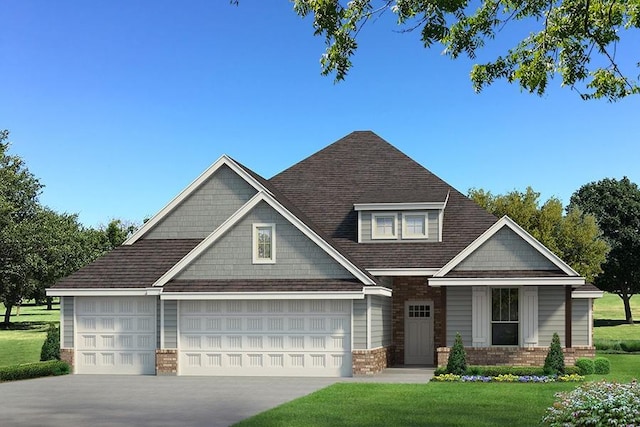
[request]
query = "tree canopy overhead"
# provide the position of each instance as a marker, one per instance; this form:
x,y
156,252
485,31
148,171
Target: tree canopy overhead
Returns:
x,y
577,40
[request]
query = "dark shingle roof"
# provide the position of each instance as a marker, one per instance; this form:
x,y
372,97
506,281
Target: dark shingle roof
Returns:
x,y
326,185
130,266
505,274
262,285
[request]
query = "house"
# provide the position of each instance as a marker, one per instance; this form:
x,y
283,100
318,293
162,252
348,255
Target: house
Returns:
x,y
349,261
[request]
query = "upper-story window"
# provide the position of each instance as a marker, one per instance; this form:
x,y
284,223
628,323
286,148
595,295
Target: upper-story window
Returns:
x,y
414,225
384,226
264,243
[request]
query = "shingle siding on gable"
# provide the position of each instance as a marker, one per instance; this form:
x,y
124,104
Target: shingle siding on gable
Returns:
x,y
459,314
505,251
204,210
433,231
580,327
550,314
297,257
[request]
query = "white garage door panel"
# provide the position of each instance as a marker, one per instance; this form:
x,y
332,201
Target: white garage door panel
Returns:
x,y
115,335
265,338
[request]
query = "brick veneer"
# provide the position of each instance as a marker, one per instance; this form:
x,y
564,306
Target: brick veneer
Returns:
x,y
369,362
519,356
166,362
413,289
66,355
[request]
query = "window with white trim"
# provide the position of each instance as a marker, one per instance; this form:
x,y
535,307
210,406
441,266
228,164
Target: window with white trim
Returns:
x,y
264,243
384,226
504,316
414,226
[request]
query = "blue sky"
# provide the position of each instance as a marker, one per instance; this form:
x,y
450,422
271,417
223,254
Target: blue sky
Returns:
x,y
116,105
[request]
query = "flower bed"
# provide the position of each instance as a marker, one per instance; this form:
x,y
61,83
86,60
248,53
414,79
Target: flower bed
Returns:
x,y
508,378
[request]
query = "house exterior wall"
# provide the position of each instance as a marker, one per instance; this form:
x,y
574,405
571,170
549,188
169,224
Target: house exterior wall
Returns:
x,y
459,316
297,257
408,288
433,227
381,325
170,324
206,208
580,325
359,324
67,307
551,314
505,251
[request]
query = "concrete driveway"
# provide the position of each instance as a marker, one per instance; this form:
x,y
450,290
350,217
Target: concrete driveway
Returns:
x,y
105,400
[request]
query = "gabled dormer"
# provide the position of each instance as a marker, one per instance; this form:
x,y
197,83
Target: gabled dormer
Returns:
x,y
400,221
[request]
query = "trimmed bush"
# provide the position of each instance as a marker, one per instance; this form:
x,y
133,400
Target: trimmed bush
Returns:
x,y
51,347
601,365
630,346
494,371
554,362
586,366
34,370
616,346
596,404
457,362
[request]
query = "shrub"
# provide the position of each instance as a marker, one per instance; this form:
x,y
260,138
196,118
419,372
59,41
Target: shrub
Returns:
x,y
554,362
630,346
51,347
494,371
440,371
601,365
457,362
586,366
34,370
596,404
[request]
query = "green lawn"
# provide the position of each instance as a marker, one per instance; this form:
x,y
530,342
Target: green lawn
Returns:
x,y
608,316
22,343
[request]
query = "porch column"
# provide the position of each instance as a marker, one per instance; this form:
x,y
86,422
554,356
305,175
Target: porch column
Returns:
x,y
568,317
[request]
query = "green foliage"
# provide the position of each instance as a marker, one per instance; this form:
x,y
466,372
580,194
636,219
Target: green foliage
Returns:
x,y
616,206
617,346
574,40
596,404
574,237
554,362
34,370
51,346
457,362
601,365
586,366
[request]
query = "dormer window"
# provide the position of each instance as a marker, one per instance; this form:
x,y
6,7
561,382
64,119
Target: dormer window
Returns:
x,y
414,225
384,226
264,243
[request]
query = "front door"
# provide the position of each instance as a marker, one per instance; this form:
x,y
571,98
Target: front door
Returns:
x,y
418,333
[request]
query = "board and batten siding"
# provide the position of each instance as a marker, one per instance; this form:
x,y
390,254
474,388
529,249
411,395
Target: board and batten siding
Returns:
x,y
459,316
381,328
359,324
206,208
67,306
551,313
170,324
231,256
433,224
580,327
505,251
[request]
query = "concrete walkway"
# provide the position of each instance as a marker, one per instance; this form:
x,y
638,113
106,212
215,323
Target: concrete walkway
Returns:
x,y
111,400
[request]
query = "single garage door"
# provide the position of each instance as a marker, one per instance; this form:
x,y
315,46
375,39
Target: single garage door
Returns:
x,y
265,338
115,335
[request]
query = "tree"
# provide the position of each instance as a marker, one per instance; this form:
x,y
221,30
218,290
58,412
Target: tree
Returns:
x,y
616,206
554,362
574,237
457,361
575,39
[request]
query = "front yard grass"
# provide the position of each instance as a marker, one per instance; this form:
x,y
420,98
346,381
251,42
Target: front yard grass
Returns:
x,y
23,341
608,317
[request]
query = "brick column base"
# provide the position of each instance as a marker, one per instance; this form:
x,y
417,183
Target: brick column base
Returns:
x,y
66,355
166,362
519,356
370,362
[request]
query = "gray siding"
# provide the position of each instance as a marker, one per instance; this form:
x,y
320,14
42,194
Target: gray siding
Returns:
x,y
206,208
158,322
433,225
550,314
580,327
66,309
170,324
359,324
459,314
381,327
505,251
297,257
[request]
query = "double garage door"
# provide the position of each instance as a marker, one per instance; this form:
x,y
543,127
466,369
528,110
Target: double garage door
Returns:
x,y
118,335
265,338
